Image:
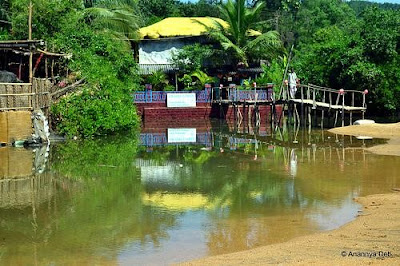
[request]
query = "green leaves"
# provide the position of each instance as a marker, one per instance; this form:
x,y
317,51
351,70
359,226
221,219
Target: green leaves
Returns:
x,y
236,39
192,57
105,104
352,53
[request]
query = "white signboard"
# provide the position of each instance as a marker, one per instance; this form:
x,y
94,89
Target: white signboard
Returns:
x,y
181,99
181,135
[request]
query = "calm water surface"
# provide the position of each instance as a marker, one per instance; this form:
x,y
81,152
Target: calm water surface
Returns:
x,y
170,195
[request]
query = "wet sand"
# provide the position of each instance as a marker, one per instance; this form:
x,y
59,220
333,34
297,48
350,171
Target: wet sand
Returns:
x,y
372,238
385,131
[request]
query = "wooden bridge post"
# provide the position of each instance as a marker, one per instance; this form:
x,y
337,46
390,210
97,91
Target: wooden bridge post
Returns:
x,y
323,111
343,93
314,100
364,104
352,105
336,112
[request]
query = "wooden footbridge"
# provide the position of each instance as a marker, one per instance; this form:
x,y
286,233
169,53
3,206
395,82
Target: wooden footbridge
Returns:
x,y
309,97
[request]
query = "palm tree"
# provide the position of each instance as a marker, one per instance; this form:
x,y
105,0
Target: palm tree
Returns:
x,y
240,38
115,15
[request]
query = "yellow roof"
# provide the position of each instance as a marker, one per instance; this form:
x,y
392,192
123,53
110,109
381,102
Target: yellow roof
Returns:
x,y
180,26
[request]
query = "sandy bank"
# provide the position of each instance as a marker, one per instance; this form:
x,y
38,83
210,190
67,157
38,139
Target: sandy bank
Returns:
x,y
377,229
386,131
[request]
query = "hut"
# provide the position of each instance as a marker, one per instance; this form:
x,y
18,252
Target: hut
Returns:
x,y
161,40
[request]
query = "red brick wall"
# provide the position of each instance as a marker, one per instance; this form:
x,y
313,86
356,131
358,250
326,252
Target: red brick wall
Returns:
x,y
158,113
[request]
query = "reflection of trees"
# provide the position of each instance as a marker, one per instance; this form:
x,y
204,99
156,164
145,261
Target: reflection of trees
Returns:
x,y
96,210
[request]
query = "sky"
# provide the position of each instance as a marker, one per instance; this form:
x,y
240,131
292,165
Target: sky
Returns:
x,y
378,1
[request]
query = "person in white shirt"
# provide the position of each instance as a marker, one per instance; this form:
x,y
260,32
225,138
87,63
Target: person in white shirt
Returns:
x,y
292,83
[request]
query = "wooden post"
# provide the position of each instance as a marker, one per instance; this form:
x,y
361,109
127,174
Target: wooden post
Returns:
x,y
314,100
31,52
52,69
323,111
302,93
343,110
352,104
30,21
363,111
336,113
46,67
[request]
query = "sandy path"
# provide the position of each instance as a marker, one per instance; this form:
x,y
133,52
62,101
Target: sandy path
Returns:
x,y
376,229
387,131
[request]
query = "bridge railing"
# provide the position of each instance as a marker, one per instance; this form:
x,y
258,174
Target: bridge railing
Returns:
x,y
329,96
234,94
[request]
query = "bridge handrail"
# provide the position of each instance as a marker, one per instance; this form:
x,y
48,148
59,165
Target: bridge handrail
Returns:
x,y
311,88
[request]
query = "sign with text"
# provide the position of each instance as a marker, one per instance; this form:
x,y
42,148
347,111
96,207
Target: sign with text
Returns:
x,y
181,135
181,100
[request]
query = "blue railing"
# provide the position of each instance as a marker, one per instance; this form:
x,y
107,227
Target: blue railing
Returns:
x,y
206,95
249,95
150,96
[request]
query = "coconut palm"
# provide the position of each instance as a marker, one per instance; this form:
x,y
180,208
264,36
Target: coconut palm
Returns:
x,y
239,37
119,16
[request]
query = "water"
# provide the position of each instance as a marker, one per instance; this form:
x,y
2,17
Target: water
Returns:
x,y
141,200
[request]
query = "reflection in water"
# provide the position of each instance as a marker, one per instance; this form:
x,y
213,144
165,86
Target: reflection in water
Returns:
x,y
124,200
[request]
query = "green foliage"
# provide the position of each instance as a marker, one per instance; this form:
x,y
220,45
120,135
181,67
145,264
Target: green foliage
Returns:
x,y
196,80
316,14
4,18
201,79
237,39
158,80
192,57
155,10
273,73
120,18
187,81
359,6
104,105
354,53
48,18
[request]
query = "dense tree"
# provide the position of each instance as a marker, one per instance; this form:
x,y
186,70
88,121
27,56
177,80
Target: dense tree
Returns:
x,y
360,6
353,53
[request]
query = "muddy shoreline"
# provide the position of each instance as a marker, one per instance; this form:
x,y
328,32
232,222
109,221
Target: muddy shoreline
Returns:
x,y
372,238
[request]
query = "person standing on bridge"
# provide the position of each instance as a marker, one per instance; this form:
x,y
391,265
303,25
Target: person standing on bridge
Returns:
x,y
293,80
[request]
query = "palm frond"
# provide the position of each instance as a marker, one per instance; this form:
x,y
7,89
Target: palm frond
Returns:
x,y
268,43
121,21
